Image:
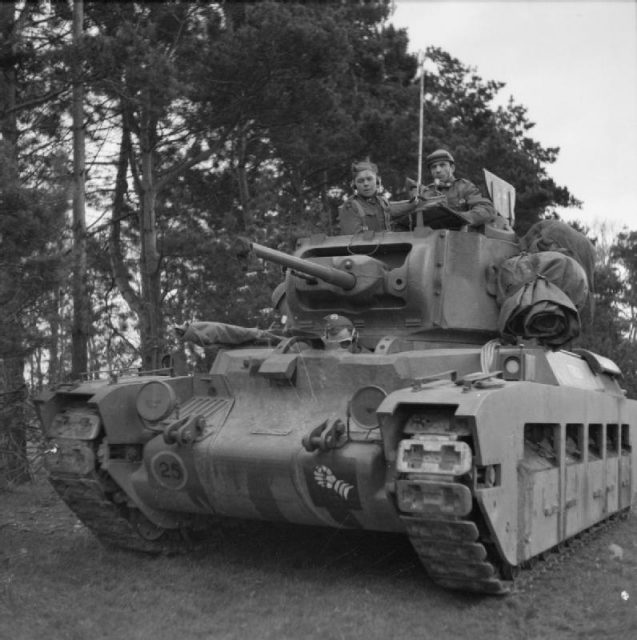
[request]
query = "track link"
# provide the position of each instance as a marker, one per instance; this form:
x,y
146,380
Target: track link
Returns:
x,y
110,523
453,556
75,474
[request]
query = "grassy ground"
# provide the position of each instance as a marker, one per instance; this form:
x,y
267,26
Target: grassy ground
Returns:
x,y
258,580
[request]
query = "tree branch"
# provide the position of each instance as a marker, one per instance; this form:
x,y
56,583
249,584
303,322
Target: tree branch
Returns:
x,y
120,272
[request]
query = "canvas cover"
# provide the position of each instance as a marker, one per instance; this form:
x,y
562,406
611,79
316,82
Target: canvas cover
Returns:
x,y
540,297
558,268
208,334
554,235
539,310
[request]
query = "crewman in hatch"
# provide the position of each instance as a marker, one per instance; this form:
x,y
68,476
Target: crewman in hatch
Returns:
x,y
368,209
459,194
339,333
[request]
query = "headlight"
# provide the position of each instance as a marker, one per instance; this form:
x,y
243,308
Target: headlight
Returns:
x,y
156,400
363,405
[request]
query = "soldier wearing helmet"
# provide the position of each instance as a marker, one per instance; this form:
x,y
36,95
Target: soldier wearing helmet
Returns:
x,y
368,209
460,194
340,333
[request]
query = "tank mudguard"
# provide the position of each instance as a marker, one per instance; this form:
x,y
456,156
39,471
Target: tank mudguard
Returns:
x,y
117,407
558,494
534,501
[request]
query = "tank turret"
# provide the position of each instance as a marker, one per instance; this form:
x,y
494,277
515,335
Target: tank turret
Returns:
x,y
422,286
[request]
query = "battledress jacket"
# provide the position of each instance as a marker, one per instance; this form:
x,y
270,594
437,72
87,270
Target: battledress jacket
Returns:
x,y
375,214
462,195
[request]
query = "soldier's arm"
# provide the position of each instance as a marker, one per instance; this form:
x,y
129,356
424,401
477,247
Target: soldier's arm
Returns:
x,y
402,208
480,209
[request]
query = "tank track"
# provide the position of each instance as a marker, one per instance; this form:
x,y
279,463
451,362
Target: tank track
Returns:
x,y
103,507
456,554
453,555
454,558
114,525
550,560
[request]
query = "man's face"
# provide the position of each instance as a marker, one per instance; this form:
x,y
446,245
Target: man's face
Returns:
x,y
365,183
343,341
441,170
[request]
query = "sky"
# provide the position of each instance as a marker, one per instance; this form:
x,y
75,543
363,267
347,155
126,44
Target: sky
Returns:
x,y
573,65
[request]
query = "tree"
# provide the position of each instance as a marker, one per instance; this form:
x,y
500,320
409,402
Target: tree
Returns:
x,y
81,311
624,252
611,331
30,221
141,62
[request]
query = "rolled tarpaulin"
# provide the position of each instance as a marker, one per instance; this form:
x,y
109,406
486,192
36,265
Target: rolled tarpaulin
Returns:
x,y
555,235
539,310
555,267
208,334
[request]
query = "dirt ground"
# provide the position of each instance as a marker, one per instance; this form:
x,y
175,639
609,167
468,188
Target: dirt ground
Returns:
x,y
261,580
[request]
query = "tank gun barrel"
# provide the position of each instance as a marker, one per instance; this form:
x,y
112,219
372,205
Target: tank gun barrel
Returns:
x,y
334,276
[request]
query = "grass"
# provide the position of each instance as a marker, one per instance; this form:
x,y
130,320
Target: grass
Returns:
x,y
274,581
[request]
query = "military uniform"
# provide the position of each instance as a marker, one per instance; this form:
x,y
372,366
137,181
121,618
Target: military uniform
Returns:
x,y
374,214
462,195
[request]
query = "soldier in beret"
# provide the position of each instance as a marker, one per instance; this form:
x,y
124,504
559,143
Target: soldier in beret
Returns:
x,y
367,209
460,194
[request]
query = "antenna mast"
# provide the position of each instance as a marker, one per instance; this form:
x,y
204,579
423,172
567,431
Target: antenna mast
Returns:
x,y
421,62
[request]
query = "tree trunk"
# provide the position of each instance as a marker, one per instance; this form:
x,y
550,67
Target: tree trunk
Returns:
x,y
81,306
151,319
13,459
14,466
120,272
54,367
8,86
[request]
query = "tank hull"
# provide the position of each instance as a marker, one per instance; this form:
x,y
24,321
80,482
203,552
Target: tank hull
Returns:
x,y
483,473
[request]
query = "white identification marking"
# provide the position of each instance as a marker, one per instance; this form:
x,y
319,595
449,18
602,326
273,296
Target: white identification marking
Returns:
x,y
325,478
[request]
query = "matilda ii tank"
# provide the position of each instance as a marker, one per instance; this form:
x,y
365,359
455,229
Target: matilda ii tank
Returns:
x,y
420,385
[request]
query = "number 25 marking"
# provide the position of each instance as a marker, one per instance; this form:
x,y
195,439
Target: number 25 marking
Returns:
x,y
170,470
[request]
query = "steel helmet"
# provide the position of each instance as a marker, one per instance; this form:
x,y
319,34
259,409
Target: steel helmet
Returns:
x,y
439,155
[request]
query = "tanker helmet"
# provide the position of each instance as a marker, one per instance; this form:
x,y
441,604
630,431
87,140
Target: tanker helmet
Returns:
x,y
339,332
439,155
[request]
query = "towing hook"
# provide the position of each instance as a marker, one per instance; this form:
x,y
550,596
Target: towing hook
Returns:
x,y
328,435
184,431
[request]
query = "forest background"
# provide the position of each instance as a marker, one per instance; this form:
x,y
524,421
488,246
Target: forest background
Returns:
x,y
139,141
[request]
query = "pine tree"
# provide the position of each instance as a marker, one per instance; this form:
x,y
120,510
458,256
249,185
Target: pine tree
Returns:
x,y
31,214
